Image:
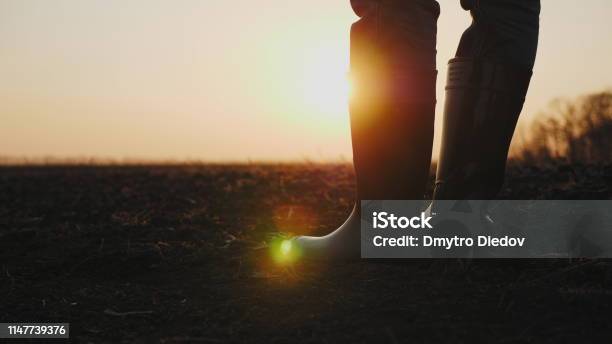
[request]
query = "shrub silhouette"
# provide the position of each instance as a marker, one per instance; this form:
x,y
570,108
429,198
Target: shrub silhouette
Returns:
x,y
574,131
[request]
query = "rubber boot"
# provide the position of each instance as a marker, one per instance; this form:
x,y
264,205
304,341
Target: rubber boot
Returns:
x,y
392,121
483,101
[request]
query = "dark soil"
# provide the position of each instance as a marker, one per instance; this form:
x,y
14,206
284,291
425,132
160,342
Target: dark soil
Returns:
x,y
177,254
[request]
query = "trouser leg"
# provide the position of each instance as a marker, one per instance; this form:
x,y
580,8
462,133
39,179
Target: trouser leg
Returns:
x,y
486,87
505,31
393,58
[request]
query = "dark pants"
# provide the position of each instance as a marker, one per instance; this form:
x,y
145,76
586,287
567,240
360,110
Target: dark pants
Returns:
x,y
501,30
393,66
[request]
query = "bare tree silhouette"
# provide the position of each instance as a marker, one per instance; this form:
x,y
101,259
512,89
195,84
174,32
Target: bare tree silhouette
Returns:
x,y
574,131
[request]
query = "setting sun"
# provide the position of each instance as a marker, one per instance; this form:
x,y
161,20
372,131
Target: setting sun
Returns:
x,y
325,81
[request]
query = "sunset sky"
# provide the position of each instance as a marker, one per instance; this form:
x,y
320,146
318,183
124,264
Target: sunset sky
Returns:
x,y
222,80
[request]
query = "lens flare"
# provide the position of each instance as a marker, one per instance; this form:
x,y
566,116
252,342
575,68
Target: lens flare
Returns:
x,y
286,247
284,251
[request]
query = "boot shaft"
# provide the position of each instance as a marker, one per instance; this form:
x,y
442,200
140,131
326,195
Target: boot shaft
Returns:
x,y
483,102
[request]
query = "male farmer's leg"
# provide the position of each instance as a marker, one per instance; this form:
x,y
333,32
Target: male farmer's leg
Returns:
x,y
502,30
485,91
393,70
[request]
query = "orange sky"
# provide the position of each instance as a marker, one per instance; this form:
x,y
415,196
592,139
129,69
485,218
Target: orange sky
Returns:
x,y
224,80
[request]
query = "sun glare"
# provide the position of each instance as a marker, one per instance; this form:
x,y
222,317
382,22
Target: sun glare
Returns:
x,y
325,81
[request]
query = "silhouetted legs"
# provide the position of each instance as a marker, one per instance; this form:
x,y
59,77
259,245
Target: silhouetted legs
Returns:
x,y
393,66
485,91
393,59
